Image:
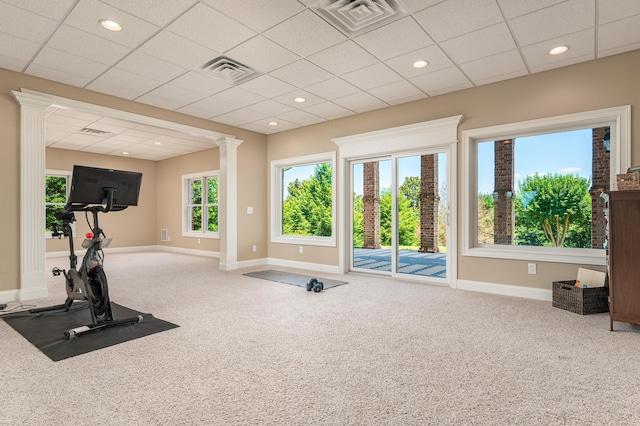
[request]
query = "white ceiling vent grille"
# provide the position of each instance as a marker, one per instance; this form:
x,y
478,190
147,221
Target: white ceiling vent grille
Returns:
x,y
226,69
95,132
354,17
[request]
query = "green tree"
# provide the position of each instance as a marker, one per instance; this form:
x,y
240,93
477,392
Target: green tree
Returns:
x,y
485,218
55,197
553,210
358,221
307,207
408,220
410,189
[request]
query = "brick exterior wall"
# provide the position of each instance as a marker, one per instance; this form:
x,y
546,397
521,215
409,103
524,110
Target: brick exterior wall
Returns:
x,y
600,170
371,201
503,192
429,201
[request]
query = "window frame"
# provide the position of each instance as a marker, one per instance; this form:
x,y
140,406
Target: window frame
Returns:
x,y
186,179
619,121
276,199
60,173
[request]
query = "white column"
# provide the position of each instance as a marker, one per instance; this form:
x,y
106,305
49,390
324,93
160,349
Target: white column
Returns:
x,y
228,203
32,196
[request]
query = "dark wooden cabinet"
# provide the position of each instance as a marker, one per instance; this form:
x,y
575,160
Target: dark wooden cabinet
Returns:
x,y
624,257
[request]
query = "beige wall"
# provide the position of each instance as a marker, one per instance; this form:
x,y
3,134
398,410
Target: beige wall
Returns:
x,y
600,84
608,82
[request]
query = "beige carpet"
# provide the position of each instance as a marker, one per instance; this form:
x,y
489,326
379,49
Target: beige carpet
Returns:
x,y
374,352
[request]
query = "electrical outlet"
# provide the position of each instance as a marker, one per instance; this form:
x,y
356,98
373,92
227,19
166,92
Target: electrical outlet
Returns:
x,y
531,268
254,248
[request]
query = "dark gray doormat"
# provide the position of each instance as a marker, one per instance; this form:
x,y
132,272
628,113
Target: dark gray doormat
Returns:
x,y
293,279
47,331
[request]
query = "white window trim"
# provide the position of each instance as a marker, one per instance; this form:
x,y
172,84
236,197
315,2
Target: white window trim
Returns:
x,y
276,199
68,174
619,121
185,200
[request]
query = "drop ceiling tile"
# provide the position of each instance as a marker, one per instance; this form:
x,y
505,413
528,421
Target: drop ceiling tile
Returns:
x,y
581,45
262,54
300,117
403,64
619,35
442,81
150,67
301,73
116,122
398,93
242,116
86,14
149,10
170,97
265,129
360,102
208,107
30,26
270,107
454,18
328,110
197,81
515,8
210,28
12,63
231,121
238,96
267,86
343,58
49,9
53,64
178,50
555,21
613,10
66,122
332,88
479,44
305,34
481,71
399,37
81,43
417,5
257,15
17,48
372,76
134,85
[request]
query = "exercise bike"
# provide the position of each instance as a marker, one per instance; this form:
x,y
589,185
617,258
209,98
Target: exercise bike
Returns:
x,y
89,281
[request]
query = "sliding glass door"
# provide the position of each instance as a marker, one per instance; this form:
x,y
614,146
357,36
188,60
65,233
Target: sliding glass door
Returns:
x,y
399,216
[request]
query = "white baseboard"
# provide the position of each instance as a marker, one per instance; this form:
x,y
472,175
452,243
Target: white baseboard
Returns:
x,y
506,290
194,252
133,249
7,296
318,267
251,263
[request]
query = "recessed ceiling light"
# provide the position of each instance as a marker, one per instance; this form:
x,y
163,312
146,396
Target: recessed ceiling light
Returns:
x,y
125,153
273,123
157,143
420,64
558,50
110,25
300,100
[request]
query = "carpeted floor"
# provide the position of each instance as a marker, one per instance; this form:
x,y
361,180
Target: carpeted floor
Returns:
x,y
374,352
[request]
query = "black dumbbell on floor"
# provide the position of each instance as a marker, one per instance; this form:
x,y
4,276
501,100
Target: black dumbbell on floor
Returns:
x,y
315,285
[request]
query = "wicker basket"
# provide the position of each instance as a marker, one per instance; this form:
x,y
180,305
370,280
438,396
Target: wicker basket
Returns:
x,y
583,301
627,182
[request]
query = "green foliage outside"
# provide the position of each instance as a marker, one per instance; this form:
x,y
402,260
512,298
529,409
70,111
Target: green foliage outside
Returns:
x,y
55,198
307,206
211,207
550,210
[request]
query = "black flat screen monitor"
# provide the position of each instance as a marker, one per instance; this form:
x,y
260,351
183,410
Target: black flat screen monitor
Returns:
x,y
91,185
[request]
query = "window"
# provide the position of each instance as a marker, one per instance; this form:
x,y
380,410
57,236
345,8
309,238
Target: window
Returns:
x,y
532,188
303,200
56,192
200,205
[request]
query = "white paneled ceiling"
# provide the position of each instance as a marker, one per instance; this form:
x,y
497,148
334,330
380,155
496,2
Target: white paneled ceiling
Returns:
x,y
293,49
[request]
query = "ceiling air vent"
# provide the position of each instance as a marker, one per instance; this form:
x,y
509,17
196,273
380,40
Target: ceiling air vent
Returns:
x,y
354,17
226,69
95,132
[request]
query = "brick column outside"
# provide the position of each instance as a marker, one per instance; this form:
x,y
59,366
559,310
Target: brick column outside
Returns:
x,y
371,201
503,192
429,202
600,170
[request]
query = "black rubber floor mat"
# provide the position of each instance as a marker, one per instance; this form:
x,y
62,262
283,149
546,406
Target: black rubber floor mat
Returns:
x,y
293,279
46,332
